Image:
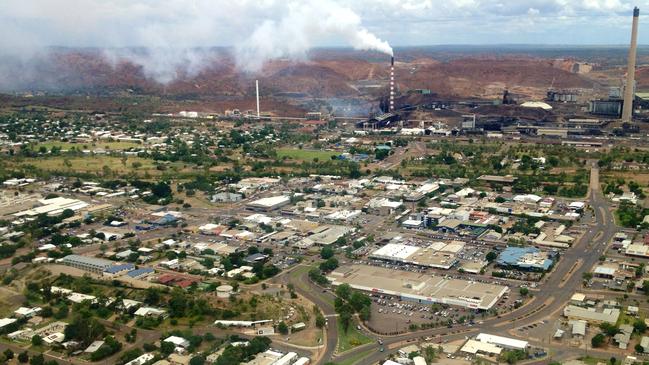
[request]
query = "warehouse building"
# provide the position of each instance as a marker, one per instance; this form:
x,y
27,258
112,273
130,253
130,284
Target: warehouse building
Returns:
x,y
53,207
269,204
418,287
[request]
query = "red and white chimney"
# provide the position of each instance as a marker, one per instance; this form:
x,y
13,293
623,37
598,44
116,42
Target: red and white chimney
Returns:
x,y
391,109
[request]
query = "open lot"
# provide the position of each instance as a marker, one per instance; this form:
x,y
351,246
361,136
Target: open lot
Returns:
x,y
305,155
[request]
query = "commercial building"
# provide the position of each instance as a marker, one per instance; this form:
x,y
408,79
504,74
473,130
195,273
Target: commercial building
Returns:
x,y
438,254
269,204
504,342
607,315
474,347
324,236
418,287
525,258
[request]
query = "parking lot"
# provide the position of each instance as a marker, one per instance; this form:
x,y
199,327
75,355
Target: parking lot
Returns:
x,y
390,314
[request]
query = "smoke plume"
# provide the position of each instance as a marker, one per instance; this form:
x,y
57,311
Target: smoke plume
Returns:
x,y
304,25
174,38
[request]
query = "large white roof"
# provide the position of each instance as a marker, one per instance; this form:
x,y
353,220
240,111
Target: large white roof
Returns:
x,y
536,104
473,347
502,341
395,250
271,201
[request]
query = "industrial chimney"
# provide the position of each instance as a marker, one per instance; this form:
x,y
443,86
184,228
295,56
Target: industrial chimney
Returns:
x,y
391,108
629,88
257,92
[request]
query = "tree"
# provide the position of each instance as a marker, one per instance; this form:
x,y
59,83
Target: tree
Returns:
x,y
37,340
429,354
23,357
329,264
491,256
344,291
166,348
609,329
320,320
84,329
524,291
326,252
197,360
177,303
37,360
345,318
359,300
639,326
639,349
598,340
282,327
365,313
8,354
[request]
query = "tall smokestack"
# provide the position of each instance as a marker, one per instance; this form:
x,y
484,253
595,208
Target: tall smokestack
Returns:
x,y
629,88
391,109
257,92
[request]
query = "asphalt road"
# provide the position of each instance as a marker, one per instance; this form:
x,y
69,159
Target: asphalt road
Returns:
x,y
323,301
550,297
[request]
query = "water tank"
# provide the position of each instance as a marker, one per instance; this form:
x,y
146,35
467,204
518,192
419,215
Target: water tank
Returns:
x,y
224,291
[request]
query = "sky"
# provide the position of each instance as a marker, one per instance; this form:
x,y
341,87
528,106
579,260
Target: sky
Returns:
x,y
259,30
118,23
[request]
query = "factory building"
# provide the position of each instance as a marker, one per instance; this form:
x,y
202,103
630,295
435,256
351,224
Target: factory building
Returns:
x,y
610,108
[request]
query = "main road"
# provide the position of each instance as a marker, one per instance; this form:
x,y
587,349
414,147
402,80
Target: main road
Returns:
x,y
551,296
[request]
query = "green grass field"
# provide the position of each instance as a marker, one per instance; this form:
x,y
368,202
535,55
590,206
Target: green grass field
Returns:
x,y
305,155
350,339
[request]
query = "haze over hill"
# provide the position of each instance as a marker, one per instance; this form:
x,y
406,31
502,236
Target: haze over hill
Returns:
x,y
451,71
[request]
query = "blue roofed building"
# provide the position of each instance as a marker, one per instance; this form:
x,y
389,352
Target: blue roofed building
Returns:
x,y
140,273
525,258
166,220
115,270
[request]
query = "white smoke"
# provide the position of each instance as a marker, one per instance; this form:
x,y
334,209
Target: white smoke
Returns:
x,y
173,38
304,25
163,64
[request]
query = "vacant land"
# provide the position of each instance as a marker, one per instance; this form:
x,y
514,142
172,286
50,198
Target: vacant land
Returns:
x,y
98,164
305,155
